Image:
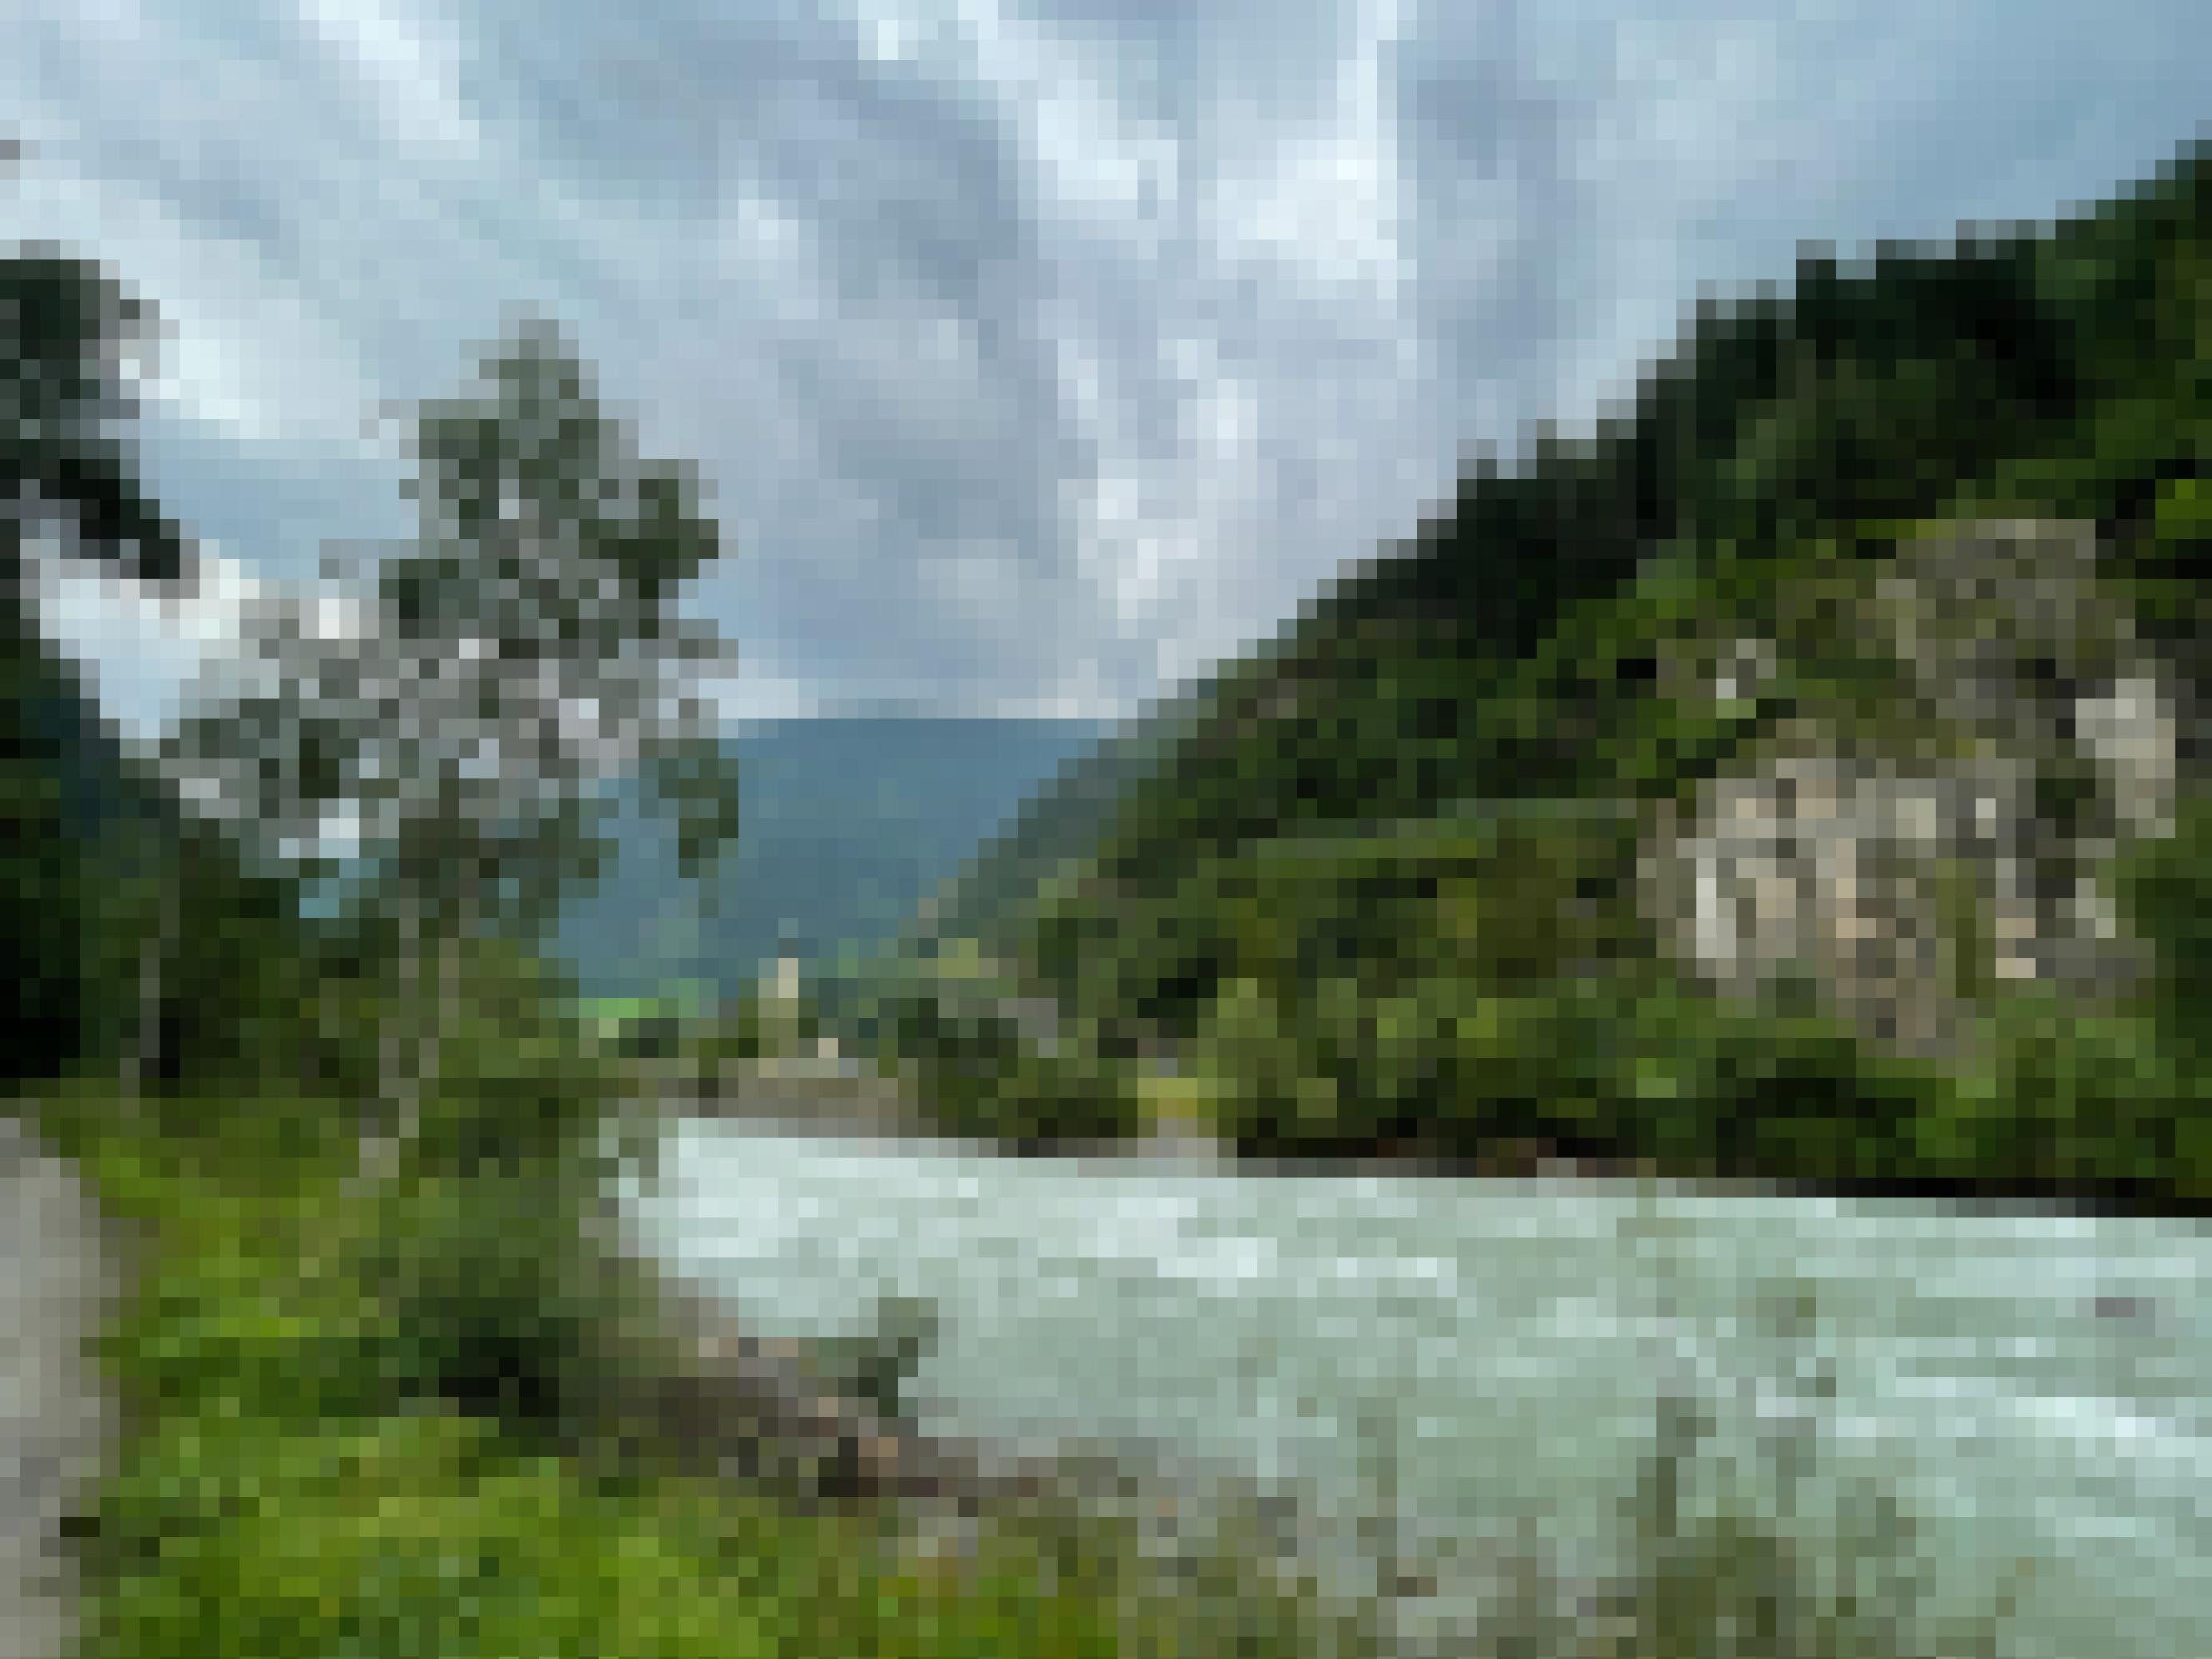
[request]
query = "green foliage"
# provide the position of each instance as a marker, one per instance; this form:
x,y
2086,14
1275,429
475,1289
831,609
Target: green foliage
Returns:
x,y
65,327
2183,515
2108,1106
1791,1098
538,445
519,1085
1529,890
1595,1069
977,1073
426,1535
493,1299
66,790
2165,892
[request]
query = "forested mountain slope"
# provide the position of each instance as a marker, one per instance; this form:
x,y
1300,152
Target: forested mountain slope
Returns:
x,y
1799,779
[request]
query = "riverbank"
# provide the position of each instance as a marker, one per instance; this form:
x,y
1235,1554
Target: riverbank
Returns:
x,y
435,1415
845,1098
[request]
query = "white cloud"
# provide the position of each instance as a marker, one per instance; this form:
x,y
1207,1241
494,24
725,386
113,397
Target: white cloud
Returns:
x,y
1326,200
747,698
410,67
144,643
1178,309
245,348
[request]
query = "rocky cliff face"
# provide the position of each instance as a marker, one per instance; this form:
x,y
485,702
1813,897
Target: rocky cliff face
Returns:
x,y
1907,853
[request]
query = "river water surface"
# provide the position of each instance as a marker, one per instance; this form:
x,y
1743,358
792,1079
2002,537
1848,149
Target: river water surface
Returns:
x,y
2029,1393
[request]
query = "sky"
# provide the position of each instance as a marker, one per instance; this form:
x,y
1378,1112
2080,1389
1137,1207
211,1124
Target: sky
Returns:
x,y
1034,357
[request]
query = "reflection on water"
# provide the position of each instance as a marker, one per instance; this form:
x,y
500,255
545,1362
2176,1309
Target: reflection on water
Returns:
x,y
1471,1357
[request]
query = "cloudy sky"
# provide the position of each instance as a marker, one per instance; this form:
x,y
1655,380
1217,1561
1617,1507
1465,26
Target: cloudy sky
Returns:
x,y
1036,355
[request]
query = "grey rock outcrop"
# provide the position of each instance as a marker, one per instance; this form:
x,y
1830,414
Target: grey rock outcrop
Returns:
x,y
1899,857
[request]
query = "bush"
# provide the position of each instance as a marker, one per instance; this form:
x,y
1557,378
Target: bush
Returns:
x,y
980,1075
517,1083
1028,1099
2101,1104
1803,1098
493,1294
517,1109
1436,1064
2163,890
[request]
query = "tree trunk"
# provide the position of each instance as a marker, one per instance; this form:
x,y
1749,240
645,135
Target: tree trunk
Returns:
x,y
144,1063
388,1126
447,994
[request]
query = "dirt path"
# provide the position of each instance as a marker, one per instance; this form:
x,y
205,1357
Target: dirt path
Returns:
x,y
53,1285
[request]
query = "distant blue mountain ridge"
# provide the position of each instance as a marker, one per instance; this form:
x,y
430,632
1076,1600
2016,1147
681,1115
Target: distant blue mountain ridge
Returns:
x,y
848,824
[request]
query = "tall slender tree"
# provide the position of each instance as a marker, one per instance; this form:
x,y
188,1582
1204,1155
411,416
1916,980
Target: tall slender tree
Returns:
x,y
445,738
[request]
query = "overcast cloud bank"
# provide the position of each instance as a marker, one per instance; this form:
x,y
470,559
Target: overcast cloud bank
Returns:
x,y
1034,361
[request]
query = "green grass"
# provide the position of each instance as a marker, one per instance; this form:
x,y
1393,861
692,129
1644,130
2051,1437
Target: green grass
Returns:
x,y
426,1535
